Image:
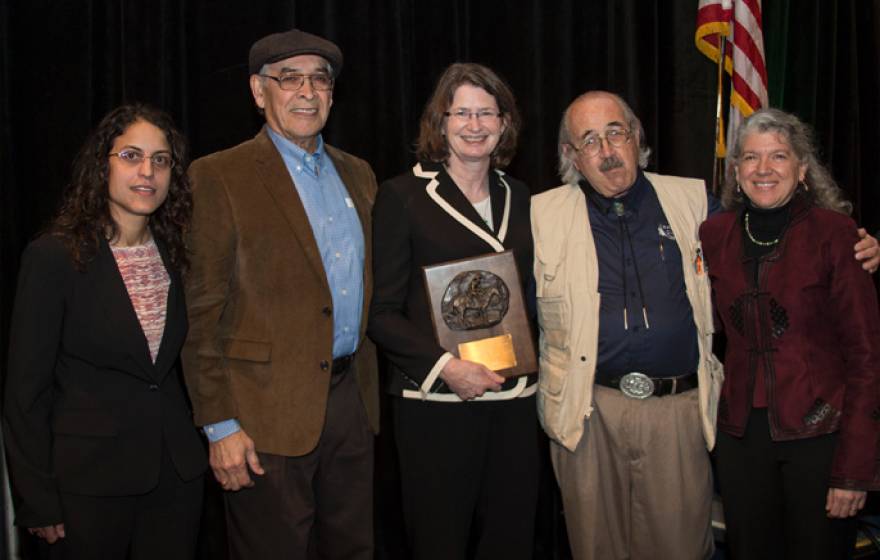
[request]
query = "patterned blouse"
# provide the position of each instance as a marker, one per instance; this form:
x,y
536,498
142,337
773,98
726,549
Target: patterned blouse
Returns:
x,y
147,283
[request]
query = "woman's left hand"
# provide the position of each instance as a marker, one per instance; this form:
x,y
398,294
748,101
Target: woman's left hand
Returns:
x,y
844,503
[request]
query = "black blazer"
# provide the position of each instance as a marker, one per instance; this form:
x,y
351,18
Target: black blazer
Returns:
x,y
422,218
86,411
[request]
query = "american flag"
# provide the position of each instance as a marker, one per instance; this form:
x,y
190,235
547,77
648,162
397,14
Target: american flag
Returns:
x,y
736,23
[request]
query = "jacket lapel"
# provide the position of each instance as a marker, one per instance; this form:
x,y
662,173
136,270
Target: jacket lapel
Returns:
x,y
175,320
499,190
276,180
446,194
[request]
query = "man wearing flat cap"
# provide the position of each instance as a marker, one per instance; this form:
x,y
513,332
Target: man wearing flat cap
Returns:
x,y
280,373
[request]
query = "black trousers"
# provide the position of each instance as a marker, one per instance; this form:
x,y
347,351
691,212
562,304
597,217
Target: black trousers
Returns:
x,y
469,477
163,523
319,505
774,495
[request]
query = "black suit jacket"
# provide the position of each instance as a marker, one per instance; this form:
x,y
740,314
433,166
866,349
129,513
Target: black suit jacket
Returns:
x,y
86,410
422,218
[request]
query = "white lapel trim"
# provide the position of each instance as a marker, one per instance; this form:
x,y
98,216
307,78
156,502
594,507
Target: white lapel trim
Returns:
x,y
431,189
505,218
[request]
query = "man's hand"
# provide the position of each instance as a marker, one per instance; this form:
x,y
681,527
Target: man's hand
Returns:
x,y
470,379
50,533
230,458
867,251
844,503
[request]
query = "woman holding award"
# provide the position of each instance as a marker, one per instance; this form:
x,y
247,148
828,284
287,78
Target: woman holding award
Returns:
x,y
467,438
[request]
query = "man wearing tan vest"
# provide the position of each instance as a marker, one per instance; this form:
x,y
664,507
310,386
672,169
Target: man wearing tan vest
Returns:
x,y
629,386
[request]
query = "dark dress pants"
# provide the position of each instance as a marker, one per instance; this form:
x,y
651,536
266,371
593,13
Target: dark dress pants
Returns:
x,y
319,505
469,477
163,523
774,495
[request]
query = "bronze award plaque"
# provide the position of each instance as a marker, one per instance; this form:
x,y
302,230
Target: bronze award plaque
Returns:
x,y
479,312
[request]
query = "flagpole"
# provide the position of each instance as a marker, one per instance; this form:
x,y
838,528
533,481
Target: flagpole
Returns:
x,y
718,122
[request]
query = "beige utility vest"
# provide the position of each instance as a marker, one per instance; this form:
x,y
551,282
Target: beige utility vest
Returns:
x,y
567,277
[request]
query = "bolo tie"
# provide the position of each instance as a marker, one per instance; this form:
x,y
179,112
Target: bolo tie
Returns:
x,y
617,206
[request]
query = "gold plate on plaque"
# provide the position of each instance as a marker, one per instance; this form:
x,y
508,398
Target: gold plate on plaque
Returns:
x,y
496,353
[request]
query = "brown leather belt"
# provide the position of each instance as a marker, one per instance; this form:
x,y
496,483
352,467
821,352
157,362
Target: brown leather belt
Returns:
x,y
341,365
639,386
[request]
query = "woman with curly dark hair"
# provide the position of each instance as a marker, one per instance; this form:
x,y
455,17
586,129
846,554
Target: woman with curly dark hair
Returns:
x,y
104,459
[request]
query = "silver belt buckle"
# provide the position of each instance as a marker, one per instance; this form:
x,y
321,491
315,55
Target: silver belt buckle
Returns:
x,y
636,385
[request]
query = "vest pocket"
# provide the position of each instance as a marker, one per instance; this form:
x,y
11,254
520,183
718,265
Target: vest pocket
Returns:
x,y
553,321
553,370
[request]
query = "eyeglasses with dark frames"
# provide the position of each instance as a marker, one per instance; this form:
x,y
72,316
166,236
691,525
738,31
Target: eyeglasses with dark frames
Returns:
x,y
293,82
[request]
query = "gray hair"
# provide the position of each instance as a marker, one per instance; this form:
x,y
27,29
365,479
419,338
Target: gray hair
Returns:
x,y
567,170
821,185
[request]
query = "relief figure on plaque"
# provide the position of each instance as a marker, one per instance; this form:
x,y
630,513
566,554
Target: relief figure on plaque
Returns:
x,y
475,299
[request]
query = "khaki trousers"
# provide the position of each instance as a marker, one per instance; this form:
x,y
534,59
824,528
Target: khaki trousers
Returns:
x,y
639,484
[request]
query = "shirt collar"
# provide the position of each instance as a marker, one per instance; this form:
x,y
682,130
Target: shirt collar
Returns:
x,y
631,201
291,152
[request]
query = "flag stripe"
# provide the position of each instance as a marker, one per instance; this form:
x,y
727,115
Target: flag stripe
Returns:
x,y
740,22
754,54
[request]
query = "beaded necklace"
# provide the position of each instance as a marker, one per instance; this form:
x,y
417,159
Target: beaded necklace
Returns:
x,y
755,241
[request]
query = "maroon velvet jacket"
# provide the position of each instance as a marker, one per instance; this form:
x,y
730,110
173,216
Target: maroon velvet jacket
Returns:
x,y
812,328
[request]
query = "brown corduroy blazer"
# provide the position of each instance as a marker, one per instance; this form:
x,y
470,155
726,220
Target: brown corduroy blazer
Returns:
x,y
260,308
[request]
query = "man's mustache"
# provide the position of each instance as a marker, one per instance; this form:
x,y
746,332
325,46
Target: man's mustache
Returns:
x,y
609,163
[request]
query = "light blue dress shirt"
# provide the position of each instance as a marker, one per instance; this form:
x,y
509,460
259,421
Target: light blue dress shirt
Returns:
x,y
340,237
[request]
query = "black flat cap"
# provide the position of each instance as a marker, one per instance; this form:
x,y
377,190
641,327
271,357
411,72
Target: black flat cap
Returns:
x,y
279,46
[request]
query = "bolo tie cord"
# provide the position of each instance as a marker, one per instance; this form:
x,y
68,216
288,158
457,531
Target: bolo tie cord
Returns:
x,y
624,232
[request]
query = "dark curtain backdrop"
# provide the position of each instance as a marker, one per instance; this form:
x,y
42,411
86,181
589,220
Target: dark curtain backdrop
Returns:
x,y
63,64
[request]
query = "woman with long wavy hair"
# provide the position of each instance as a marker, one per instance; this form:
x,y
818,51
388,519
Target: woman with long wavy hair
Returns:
x,y
798,440
103,456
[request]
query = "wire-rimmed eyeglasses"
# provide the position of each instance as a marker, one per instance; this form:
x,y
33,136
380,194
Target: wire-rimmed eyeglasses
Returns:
x,y
592,143
161,160
465,115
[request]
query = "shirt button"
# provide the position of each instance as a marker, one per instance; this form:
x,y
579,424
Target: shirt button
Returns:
x,y
299,167
330,219
345,329
344,292
154,387
583,358
325,365
337,255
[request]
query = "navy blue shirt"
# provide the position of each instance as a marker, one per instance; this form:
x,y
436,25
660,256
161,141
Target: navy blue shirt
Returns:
x,y
639,248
